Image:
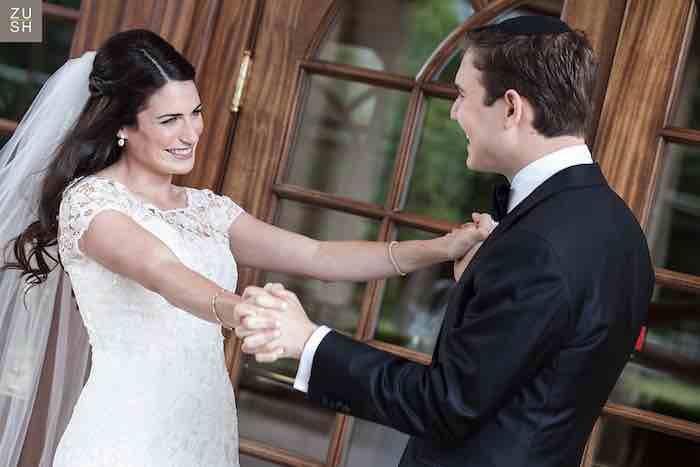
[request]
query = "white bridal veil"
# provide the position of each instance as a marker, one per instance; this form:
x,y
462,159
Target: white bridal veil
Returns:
x,y
50,311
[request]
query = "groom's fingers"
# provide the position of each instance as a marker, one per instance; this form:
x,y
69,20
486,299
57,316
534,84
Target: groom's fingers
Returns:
x,y
268,301
252,291
256,343
269,357
253,325
287,296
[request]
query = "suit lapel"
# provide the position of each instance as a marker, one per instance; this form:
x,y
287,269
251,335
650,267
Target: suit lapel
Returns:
x,y
571,178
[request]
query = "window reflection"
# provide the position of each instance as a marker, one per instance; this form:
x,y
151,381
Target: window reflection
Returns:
x,y
623,445
347,139
75,4
395,36
441,185
25,67
675,227
413,306
665,376
686,113
275,414
250,461
374,445
335,304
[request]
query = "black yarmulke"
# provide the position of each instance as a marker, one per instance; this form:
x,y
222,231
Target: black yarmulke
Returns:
x,y
528,26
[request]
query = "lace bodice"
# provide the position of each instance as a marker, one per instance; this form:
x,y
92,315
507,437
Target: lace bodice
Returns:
x,y
158,392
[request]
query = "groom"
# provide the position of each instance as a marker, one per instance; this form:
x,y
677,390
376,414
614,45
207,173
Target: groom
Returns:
x,y
544,318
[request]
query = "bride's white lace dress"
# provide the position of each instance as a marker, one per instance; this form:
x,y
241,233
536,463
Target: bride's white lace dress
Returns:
x,y
158,392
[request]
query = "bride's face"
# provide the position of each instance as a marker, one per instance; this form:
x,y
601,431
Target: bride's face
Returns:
x,y
167,131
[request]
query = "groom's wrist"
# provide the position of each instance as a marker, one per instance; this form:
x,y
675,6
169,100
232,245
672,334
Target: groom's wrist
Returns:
x,y
309,331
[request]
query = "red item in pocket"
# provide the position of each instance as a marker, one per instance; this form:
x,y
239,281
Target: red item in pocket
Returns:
x,y
640,340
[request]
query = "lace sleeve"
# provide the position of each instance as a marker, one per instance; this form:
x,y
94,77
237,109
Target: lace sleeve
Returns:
x,y
81,202
222,211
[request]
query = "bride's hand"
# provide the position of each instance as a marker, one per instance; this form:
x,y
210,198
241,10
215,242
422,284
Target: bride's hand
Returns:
x,y
461,240
484,224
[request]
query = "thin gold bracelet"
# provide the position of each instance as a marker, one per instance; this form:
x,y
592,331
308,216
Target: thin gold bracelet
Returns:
x,y
213,309
390,248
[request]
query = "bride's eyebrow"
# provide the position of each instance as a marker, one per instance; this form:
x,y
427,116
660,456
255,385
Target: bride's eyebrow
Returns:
x,y
179,114
169,115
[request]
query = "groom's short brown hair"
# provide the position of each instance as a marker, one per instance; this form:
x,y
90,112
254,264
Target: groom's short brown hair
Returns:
x,y
554,72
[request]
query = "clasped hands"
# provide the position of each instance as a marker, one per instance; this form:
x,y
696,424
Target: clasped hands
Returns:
x,y
273,324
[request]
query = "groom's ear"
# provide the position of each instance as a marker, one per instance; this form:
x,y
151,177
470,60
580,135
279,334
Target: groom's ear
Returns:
x,y
514,109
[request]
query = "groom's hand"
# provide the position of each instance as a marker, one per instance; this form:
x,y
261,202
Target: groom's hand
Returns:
x,y
275,326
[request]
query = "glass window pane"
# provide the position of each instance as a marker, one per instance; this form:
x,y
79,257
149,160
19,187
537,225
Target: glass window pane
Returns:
x,y
372,444
347,139
624,445
4,139
413,306
674,228
687,109
336,304
25,67
665,376
441,185
75,4
250,461
270,411
393,36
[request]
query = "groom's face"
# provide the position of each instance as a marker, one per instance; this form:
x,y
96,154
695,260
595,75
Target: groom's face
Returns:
x,y
482,124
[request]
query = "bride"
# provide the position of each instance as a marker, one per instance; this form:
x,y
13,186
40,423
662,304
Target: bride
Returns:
x,y
153,265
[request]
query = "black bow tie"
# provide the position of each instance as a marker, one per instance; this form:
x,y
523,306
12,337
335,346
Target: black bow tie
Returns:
x,y
500,201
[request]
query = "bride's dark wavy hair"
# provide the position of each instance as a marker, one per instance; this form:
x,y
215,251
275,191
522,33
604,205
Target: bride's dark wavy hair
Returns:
x,y
128,68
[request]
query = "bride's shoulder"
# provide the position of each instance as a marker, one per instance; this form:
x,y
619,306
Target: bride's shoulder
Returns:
x,y
93,189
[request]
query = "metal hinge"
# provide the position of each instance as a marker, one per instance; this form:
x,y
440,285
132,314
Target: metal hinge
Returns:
x,y
241,82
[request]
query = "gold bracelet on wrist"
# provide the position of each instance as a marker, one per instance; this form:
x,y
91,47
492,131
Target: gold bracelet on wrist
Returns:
x,y
214,312
390,248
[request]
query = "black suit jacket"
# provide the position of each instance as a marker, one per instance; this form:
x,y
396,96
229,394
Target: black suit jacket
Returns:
x,y
536,333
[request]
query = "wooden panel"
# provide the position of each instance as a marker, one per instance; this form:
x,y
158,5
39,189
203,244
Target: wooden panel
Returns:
x,y
51,10
602,27
681,135
189,26
279,456
174,20
286,31
359,75
7,126
633,111
216,82
653,421
454,41
97,22
677,280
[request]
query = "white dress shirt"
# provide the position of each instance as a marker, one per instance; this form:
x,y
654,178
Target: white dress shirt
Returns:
x,y
523,184
536,173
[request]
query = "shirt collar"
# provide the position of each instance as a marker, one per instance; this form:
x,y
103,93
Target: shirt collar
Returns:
x,y
537,172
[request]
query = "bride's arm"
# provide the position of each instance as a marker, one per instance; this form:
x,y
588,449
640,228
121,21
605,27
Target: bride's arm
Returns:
x,y
121,245
260,245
